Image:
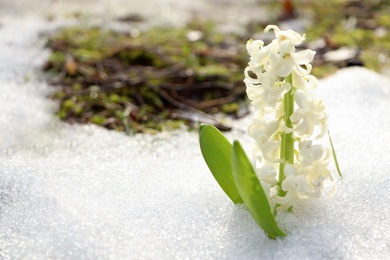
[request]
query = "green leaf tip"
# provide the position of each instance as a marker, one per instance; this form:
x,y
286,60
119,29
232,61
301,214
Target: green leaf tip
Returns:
x,y
217,152
252,192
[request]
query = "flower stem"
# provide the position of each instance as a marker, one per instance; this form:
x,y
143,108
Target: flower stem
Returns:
x,y
287,145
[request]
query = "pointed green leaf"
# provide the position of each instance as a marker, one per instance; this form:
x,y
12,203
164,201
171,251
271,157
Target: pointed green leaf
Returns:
x,y
252,192
217,152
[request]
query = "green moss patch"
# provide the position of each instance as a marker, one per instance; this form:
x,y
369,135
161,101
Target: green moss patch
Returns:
x,y
159,79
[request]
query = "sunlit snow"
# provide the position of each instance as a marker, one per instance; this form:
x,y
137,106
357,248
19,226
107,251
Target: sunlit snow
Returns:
x,y
82,192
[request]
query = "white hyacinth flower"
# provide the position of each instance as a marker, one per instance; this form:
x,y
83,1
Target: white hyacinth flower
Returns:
x,y
288,119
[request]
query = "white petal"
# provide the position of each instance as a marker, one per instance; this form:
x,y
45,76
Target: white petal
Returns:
x,y
324,127
272,27
303,69
274,96
304,145
317,152
253,47
305,128
283,67
251,76
286,47
285,128
256,131
302,99
289,170
270,151
303,57
272,127
293,36
267,173
305,83
288,35
297,116
285,202
311,82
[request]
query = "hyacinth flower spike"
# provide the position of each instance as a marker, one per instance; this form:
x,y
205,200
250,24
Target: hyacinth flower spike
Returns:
x,y
290,164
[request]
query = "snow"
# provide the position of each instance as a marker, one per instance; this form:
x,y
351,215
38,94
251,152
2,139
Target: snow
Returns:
x,y
82,192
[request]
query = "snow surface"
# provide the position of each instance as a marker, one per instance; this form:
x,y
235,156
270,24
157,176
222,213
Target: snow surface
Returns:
x,y
82,192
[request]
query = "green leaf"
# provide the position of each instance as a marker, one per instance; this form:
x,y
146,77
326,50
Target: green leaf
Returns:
x,y
252,192
217,152
334,155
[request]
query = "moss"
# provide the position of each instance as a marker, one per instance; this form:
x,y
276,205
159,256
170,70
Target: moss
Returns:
x,y
135,84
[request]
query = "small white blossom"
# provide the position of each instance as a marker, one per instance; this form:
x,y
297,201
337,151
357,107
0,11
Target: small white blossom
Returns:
x,y
254,47
267,176
311,112
308,153
294,185
286,39
262,131
267,173
305,83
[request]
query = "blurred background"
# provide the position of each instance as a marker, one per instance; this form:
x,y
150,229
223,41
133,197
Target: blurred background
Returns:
x,y
146,66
